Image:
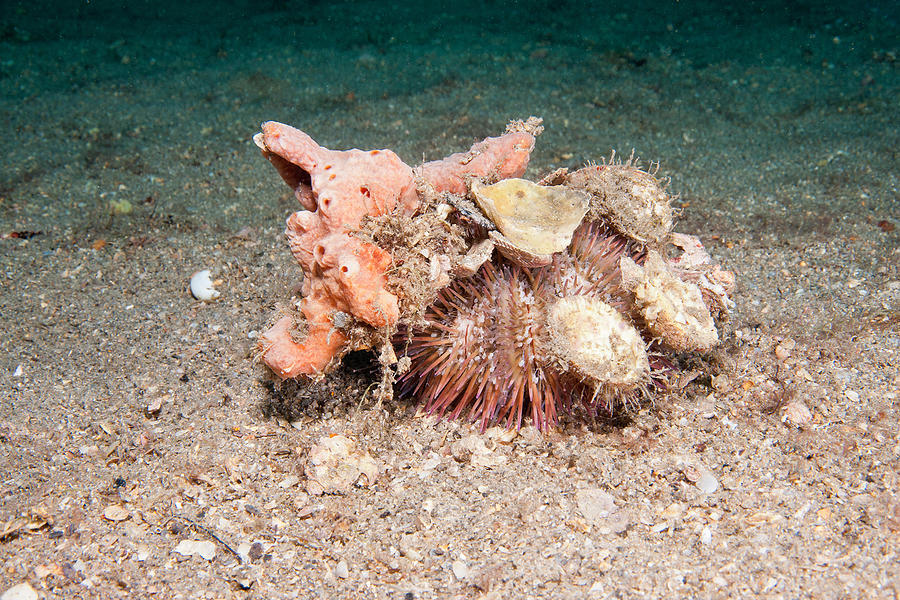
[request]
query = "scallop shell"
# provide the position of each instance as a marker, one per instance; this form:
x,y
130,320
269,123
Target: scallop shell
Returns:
x,y
596,343
633,201
534,221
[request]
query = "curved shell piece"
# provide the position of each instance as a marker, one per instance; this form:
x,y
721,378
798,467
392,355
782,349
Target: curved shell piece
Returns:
x,y
518,255
597,343
534,220
468,264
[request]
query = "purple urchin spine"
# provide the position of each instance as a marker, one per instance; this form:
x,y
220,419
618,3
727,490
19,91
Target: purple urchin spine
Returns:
x,y
479,356
486,351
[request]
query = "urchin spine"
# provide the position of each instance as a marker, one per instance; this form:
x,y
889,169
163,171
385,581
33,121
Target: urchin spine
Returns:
x,y
512,340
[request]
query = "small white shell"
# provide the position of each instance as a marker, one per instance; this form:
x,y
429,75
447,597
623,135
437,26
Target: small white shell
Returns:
x,y
202,286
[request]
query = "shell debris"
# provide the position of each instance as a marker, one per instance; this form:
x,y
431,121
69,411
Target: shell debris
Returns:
x,y
672,309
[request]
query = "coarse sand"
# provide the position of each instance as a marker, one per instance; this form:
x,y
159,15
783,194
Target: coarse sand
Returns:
x,y
145,453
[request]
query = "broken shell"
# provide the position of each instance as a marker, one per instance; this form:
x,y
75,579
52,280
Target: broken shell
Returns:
x,y
597,343
673,309
694,265
534,220
202,286
519,255
468,264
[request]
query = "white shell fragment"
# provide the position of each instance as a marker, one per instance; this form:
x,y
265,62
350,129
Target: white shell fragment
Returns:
x,y
599,509
707,482
796,413
534,221
204,549
478,254
695,266
23,591
202,286
336,464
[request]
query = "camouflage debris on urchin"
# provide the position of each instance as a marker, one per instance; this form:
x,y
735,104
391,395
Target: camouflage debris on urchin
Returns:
x,y
673,310
595,343
541,329
633,201
533,221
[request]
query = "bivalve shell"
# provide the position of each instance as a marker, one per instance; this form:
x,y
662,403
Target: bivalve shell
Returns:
x,y
673,309
534,221
597,343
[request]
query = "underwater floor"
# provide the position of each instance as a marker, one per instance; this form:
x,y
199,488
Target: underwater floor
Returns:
x,y
143,450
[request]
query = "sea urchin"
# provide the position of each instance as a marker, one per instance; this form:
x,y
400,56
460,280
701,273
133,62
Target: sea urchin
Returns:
x,y
511,341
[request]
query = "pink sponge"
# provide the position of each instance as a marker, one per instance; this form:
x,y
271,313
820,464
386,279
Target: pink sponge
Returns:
x,y
344,275
497,158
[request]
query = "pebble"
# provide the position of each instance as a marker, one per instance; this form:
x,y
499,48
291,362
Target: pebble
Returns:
x,y
659,527
23,591
289,481
429,464
341,570
91,450
255,551
599,508
460,570
706,536
707,483
596,588
42,571
501,435
203,549
248,551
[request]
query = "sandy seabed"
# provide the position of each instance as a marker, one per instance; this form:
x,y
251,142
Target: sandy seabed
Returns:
x,y
134,420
